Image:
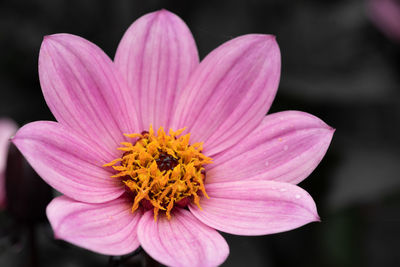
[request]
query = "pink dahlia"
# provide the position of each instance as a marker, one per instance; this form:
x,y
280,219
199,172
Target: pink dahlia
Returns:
x,y
7,129
158,150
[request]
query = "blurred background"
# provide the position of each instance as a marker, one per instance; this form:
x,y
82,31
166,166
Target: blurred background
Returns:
x,y
340,62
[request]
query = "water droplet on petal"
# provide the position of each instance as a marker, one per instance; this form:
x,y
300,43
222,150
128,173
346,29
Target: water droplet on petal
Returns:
x,y
283,189
297,196
266,163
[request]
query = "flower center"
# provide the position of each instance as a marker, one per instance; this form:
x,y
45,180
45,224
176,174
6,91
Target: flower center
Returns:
x,y
161,170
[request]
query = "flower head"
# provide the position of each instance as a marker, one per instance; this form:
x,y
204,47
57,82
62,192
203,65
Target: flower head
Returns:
x,y
162,170
158,150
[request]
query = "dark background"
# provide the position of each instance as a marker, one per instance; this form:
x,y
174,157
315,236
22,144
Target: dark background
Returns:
x,y
336,64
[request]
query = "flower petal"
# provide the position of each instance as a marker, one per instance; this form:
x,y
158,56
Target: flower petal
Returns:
x,y
286,147
255,207
181,241
84,90
156,56
67,162
230,92
107,228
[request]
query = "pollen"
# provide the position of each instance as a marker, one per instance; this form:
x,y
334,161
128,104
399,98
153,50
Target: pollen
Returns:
x,y
161,170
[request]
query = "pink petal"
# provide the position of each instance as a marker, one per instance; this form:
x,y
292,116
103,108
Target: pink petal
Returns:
x,y
181,241
255,207
286,147
107,228
230,92
67,162
156,56
7,129
84,91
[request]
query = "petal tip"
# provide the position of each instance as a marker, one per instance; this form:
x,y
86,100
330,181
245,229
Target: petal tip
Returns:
x,y
50,37
18,135
329,132
314,216
162,13
266,43
45,41
261,37
56,236
15,138
59,38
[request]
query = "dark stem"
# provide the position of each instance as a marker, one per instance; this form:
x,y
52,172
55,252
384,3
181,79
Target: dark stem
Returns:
x,y
150,262
115,261
133,254
32,246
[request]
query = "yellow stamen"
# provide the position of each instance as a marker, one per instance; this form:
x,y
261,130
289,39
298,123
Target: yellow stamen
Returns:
x,y
161,169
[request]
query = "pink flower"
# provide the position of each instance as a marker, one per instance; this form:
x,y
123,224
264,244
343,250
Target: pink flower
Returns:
x,y
7,129
386,16
156,79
